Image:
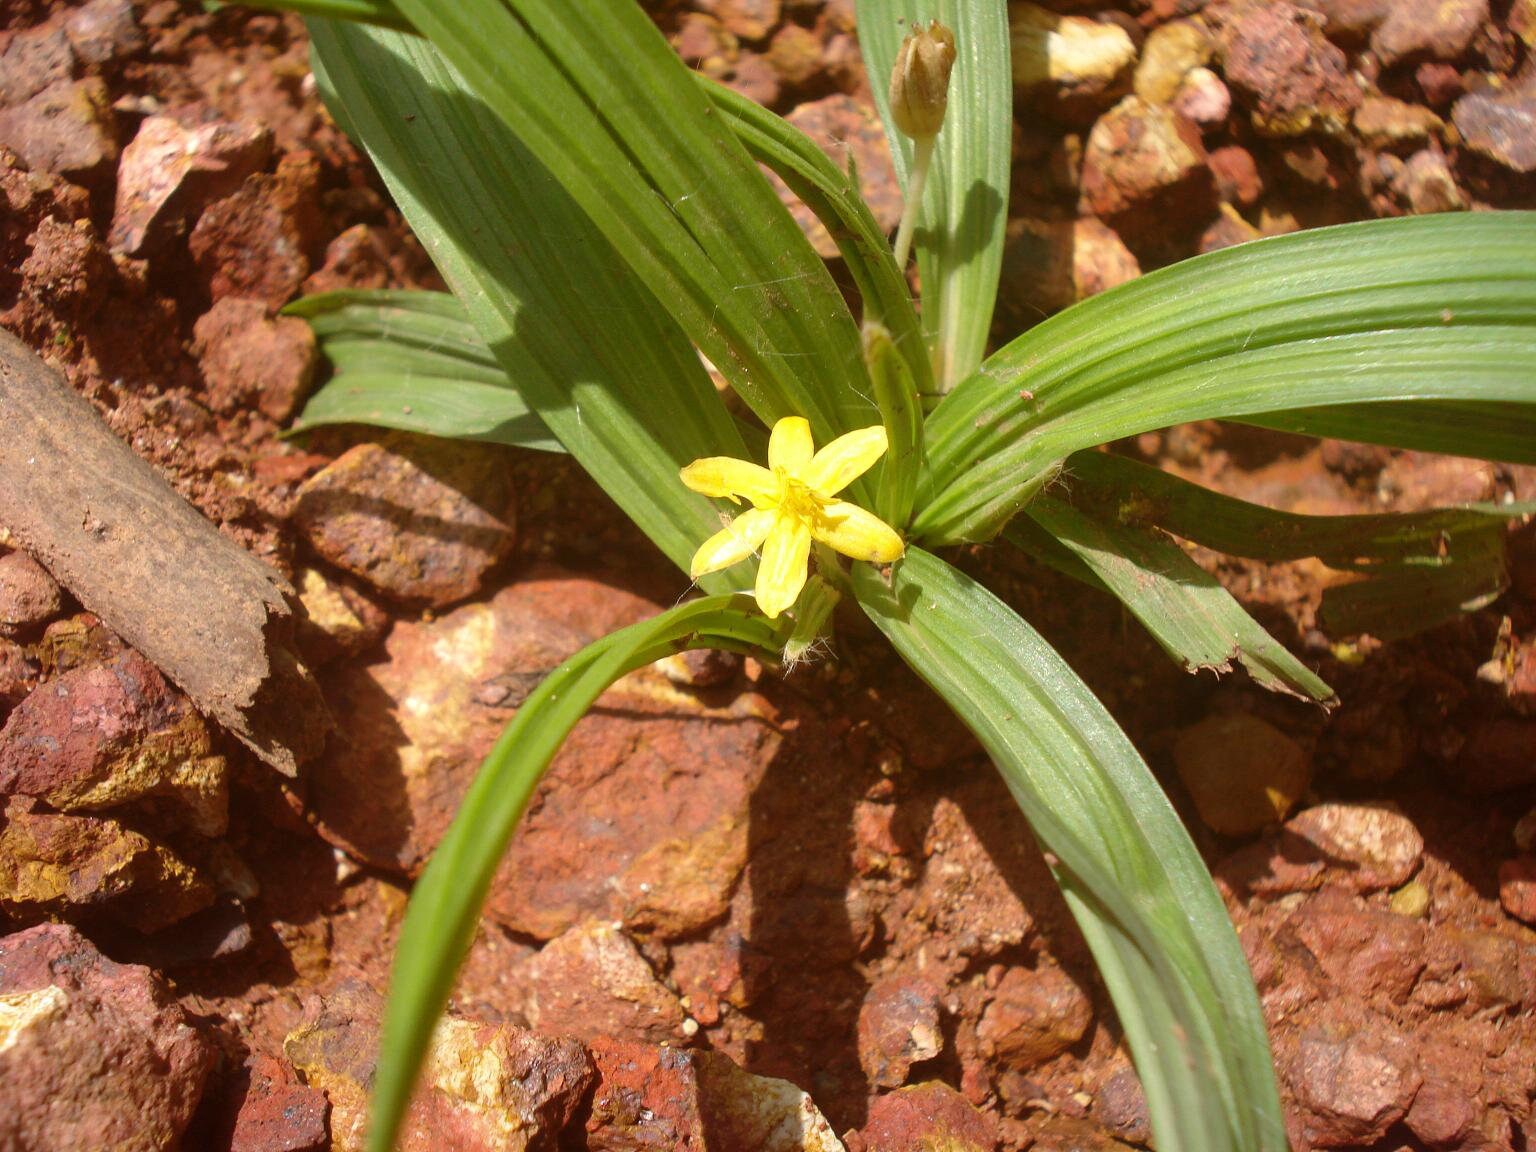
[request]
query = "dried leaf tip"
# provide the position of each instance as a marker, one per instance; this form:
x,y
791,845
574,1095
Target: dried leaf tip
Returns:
x,y
920,80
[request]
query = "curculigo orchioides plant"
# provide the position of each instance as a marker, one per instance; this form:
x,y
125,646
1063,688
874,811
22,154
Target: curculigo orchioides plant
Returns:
x,y
601,216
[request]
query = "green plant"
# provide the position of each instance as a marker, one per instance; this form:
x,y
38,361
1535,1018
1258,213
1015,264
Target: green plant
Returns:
x,y
600,216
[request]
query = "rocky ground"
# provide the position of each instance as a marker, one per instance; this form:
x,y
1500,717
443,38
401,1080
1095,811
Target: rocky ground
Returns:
x,y
730,879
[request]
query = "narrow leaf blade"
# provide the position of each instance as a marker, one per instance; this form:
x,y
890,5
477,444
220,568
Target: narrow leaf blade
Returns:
x,y
1186,609
1439,309
445,904
1132,877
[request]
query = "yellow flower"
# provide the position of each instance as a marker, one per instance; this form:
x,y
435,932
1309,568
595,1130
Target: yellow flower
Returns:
x,y
793,502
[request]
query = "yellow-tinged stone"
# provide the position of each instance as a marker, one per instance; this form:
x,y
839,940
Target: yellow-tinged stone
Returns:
x,y
20,1011
1172,51
1243,773
1069,54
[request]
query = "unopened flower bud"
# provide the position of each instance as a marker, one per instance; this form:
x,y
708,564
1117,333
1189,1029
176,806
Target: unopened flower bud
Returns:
x,y
920,80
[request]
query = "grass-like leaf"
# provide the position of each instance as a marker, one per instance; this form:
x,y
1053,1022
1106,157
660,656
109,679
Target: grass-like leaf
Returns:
x,y
598,97
445,904
1136,493
1437,308
1491,431
960,237
833,196
590,349
1184,607
413,361
1139,890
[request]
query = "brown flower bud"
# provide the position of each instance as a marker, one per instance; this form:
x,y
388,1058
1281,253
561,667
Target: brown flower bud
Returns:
x,y
920,80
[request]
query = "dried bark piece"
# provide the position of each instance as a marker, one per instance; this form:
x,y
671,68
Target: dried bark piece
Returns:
x,y
215,619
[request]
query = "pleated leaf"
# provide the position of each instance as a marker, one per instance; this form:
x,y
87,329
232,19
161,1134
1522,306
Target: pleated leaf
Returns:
x,y
445,905
1184,607
413,361
1439,309
590,349
595,94
960,231
1133,879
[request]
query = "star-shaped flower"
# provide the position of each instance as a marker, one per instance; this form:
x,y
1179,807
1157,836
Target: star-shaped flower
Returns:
x,y
794,501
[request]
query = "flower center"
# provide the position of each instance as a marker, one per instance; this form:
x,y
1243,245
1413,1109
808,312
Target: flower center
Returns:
x,y
797,499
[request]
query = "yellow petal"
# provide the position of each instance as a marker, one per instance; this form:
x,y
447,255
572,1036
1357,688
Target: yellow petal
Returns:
x,y
790,446
849,529
844,460
732,544
782,570
729,477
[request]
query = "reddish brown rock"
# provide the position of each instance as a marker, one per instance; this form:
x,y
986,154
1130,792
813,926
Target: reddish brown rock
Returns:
x,y
795,54
1353,1073
1426,184
17,675
1370,846
705,45
68,271
419,519
1144,162
1382,122
1445,1108
1236,175
66,128
754,78
256,242
249,357
104,31
279,1114
1071,1134
591,981
485,1089
1517,888
29,597
1227,229
102,736
170,171
361,257
665,1099
748,19
1500,126
643,815
926,1116
1473,971
31,60
1035,1015
1120,1105
1049,265
1419,481
52,864
964,897
1436,29
899,1027
1499,755
845,128
1292,80
1362,951
96,1054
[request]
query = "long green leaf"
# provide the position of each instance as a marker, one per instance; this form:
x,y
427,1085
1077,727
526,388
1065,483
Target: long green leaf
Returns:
x,y
445,905
960,240
591,351
1438,308
1186,609
598,97
413,361
1133,879
833,196
1138,494
1489,431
